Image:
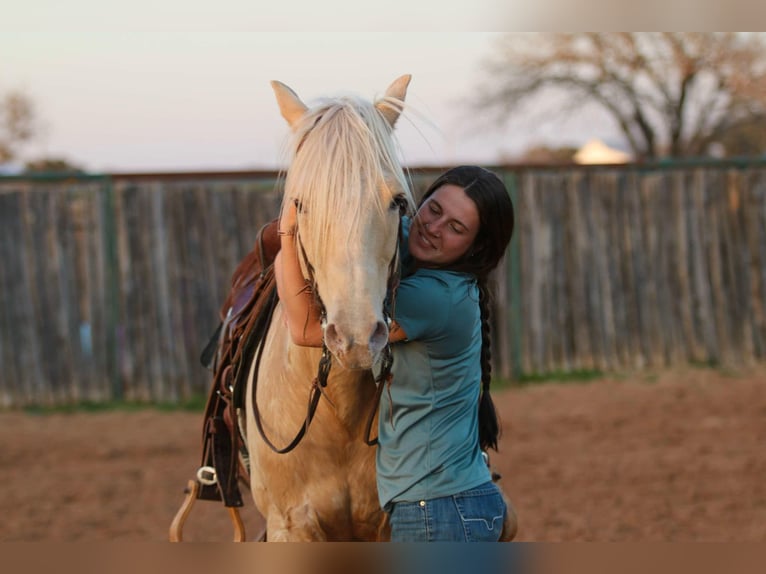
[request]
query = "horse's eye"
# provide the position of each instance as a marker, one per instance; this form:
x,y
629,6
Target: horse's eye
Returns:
x,y
399,202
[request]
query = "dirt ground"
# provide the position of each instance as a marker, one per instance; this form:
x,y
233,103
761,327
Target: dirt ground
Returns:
x,y
677,456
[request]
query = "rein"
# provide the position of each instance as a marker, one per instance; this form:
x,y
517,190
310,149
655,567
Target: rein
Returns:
x,y
317,386
325,362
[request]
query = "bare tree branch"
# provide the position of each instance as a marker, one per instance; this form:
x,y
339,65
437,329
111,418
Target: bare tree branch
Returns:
x,y
670,93
17,124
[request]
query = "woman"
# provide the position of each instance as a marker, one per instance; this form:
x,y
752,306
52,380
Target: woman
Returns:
x,y
432,478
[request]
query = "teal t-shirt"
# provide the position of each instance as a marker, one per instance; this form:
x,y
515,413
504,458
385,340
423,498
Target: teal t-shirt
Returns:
x,y
428,444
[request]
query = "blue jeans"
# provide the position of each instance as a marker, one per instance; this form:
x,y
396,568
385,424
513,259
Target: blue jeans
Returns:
x,y
474,515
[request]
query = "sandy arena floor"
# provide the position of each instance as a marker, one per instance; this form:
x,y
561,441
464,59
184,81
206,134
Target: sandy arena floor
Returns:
x,y
675,457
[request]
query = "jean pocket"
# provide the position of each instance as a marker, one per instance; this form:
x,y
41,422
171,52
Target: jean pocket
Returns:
x,y
482,514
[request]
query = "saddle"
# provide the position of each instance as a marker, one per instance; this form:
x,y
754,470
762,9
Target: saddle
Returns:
x,y
244,320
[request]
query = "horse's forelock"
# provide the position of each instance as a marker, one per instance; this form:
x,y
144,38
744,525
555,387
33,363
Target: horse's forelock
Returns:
x,y
345,163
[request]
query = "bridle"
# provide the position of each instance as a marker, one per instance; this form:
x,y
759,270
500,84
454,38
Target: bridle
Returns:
x,y
319,383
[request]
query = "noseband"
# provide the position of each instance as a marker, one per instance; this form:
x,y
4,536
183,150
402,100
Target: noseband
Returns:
x,y
325,362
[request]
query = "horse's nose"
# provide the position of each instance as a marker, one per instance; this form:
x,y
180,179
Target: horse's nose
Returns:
x,y
347,347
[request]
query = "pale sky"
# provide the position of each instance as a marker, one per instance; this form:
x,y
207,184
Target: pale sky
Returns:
x,y
161,98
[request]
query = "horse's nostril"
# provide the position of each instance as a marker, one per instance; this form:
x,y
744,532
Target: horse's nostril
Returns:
x,y
379,336
331,333
335,339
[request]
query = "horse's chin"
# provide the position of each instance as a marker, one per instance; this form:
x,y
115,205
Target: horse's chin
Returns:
x,y
355,365
355,360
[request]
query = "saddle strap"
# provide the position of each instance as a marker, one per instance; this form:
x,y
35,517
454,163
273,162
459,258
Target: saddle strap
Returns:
x,y
218,454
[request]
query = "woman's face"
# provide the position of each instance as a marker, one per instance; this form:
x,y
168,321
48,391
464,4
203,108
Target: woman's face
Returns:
x,y
444,227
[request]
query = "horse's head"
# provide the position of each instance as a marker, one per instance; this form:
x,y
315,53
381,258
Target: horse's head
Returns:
x,y
349,184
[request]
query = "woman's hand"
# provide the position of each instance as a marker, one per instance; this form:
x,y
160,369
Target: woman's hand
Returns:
x,y
288,219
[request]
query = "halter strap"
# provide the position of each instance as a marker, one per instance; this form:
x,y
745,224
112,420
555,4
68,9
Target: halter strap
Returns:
x,y
394,274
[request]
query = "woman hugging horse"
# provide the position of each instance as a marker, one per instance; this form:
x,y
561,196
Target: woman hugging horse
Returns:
x,y
436,417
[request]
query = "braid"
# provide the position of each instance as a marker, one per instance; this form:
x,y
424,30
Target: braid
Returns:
x,y
489,426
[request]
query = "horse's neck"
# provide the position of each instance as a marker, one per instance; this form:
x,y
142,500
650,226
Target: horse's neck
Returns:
x,y
349,394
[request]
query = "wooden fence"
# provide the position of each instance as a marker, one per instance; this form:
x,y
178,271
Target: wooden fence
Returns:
x,y
636,267
110,286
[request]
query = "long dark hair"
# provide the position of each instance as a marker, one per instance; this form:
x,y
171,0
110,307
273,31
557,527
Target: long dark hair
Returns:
x,y
496,220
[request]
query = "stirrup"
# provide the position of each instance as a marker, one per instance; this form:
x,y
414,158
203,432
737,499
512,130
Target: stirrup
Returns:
x,y
176,527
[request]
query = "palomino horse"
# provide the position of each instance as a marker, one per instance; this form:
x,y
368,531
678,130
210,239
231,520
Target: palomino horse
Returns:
x,y
350,187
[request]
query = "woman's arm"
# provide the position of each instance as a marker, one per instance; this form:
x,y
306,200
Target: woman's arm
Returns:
x,y
302,313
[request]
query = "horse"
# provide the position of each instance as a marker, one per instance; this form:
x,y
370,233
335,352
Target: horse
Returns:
x,y
351,190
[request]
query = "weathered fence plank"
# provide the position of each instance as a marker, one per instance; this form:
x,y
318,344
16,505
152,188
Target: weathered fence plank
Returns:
x,y
10,391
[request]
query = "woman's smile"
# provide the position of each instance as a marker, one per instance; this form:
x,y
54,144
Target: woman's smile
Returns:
x,y
421,232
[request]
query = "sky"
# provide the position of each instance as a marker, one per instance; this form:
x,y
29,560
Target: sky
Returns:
x,y
133,97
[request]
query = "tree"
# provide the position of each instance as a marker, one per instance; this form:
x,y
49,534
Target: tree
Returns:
x,y
746,139
670,93
17,124
52,165
542,154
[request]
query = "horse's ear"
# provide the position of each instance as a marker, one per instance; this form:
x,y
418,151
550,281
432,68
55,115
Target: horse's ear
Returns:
x,y
397,90
290,105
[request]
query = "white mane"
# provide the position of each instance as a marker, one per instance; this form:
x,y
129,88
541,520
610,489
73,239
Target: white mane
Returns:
x,y
345,162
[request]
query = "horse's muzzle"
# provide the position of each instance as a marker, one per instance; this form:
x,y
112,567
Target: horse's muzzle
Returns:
x,y
356,352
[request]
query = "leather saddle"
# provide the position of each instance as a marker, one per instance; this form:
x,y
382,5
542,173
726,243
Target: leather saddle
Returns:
x,y
245,317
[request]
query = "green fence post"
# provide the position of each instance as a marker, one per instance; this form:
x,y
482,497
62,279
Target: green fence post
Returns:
x,y
111,288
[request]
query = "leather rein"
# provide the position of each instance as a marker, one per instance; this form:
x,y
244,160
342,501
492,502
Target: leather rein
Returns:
x,y
319,383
